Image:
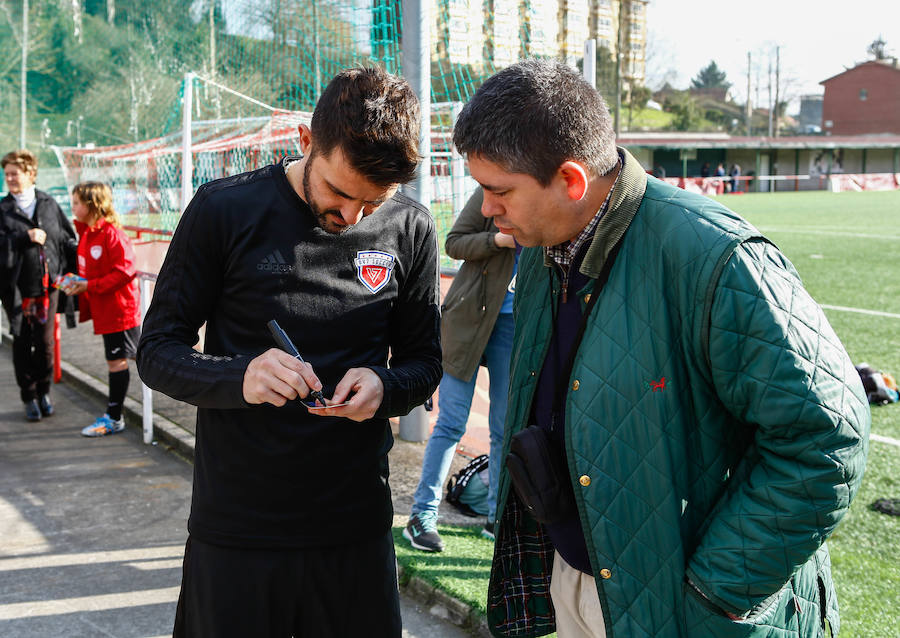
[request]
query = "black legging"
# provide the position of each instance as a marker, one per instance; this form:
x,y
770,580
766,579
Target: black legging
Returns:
x,y
33,353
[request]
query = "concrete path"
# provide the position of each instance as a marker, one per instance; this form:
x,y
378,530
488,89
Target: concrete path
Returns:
x,y
92,530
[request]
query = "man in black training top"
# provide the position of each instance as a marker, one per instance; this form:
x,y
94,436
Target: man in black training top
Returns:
x,y
291,513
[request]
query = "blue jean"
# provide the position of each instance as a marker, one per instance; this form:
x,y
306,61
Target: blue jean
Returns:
x,y
454,404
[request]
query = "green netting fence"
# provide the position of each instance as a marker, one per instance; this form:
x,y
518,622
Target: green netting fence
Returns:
x,y
280,54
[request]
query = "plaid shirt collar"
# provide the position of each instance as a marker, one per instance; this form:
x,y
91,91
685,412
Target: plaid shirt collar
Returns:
x,y
564,254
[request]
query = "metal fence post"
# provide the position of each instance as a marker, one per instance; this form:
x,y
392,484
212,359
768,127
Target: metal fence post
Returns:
x,y
417,70
146,393
414,426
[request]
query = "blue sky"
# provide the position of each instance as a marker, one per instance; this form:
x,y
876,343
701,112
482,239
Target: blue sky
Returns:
x,y
818,39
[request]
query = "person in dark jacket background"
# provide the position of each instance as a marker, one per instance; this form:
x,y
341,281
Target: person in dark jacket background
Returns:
x,y
37,243
476,329
710,429
290,525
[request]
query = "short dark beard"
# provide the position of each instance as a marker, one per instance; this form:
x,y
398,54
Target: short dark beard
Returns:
x,y
321,216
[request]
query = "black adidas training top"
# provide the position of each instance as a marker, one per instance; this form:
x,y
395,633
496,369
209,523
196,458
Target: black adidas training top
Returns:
x,y
247,250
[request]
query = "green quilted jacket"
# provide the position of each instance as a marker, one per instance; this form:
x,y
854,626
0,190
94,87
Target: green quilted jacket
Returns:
x,y
716,430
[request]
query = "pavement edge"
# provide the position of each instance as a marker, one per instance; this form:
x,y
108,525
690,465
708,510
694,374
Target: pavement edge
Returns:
x,y
444,606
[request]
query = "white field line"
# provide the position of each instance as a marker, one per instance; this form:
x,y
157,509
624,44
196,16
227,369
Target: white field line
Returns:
x,y
862,311
835,233
884,439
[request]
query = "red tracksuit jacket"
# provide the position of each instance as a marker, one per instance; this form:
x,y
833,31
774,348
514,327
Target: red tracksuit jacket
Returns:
x,y
106,260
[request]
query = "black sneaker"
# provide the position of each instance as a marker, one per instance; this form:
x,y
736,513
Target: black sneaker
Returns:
x,y
488,531
421,532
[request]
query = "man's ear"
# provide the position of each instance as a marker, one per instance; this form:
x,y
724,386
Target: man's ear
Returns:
x,y
305,138
576,179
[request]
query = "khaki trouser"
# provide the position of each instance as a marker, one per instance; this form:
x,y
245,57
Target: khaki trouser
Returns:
x,y
574,594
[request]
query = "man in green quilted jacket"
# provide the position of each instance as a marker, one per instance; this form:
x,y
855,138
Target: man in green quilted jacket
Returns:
x,y
709,427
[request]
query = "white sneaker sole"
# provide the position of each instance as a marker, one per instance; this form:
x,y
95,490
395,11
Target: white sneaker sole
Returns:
x,y
415,545
92,433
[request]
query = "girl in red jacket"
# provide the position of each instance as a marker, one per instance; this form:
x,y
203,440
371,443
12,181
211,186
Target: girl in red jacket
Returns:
x,y
109,294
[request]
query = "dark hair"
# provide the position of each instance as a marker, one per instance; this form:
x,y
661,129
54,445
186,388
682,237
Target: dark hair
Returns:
x,y
25,160
533,116
373,117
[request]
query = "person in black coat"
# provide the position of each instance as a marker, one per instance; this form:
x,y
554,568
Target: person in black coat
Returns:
x,y
37,243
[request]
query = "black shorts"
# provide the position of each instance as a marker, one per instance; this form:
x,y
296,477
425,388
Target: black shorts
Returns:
x,y
121,345
330,592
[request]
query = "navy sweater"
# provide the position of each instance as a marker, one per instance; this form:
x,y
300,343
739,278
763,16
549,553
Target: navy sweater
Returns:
x,y
566,535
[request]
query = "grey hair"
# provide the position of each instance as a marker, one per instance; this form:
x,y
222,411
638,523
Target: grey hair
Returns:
x,y
533,116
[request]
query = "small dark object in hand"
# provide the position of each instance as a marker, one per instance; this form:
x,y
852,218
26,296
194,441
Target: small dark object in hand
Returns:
x,y
889,506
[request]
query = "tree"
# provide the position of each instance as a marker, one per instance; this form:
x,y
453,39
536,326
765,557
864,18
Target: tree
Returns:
x,y
636,98
878,49
710,77
687,116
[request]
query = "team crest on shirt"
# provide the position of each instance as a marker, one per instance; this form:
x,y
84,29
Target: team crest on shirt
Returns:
x,y
373,268
96,251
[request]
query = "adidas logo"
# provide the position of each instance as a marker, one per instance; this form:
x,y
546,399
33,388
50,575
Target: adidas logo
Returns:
x,y
274,262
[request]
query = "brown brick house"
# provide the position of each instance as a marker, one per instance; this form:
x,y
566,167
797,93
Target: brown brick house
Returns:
x,y
863,100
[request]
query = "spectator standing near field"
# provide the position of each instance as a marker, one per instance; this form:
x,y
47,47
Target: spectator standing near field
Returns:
x,y
686,403
290,526
476,329
37,243
735,175
107,293
720,173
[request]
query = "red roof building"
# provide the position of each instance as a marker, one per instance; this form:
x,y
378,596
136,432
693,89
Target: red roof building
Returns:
x,y
863,100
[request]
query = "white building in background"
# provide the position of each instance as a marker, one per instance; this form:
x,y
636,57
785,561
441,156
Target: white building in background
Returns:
x,y
573,17
504,34
464,44
542,24
496,33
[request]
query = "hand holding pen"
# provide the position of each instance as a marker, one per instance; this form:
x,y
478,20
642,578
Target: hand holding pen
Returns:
x,y
277,377
281,375
284,342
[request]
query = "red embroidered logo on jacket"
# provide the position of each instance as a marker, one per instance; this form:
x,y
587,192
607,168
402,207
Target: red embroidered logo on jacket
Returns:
x,y
658,385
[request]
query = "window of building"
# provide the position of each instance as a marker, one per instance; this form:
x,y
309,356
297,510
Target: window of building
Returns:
x,y
863,95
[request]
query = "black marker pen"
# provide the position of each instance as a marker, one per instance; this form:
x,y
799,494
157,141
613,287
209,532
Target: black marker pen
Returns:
x,y
284,342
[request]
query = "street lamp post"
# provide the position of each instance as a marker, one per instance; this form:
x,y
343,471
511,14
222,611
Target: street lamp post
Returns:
x,y
24,69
